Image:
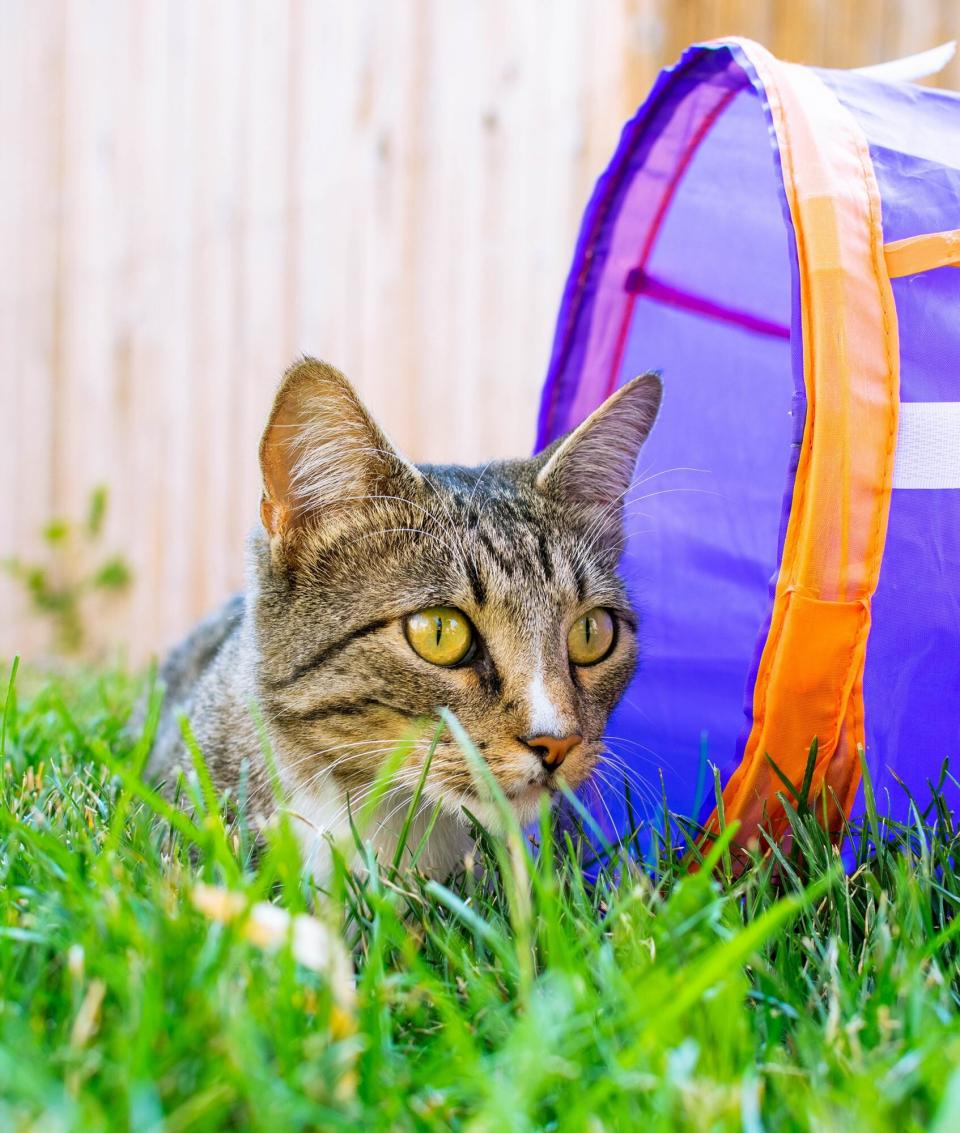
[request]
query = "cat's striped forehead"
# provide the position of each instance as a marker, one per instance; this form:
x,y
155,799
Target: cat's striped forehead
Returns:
x,y
515,543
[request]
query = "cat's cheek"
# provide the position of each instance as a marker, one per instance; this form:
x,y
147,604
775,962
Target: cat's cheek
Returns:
x,y
602,686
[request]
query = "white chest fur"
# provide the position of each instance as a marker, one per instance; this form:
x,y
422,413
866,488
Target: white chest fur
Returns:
x,y
322,818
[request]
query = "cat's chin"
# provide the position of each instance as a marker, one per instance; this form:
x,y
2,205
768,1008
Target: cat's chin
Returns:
x,y
524,803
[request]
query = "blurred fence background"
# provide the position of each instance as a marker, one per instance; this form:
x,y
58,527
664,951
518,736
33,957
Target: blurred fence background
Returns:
x,y
194,192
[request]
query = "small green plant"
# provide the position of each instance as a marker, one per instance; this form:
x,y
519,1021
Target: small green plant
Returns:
x,y
57,588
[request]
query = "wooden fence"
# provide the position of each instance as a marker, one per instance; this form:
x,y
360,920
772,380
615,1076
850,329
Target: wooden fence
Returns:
x,y
194,192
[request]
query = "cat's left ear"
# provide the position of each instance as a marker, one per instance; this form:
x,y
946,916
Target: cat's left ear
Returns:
x,y
594,464
322,454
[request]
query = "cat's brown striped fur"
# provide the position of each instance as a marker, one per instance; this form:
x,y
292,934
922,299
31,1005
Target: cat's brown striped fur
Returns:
x,y
353,539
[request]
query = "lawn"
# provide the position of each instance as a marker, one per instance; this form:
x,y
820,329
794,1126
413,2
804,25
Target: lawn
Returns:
x,y
145,985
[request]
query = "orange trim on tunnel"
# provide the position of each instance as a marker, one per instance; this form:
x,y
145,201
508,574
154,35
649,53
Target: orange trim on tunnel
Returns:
x,y
810,674
923,253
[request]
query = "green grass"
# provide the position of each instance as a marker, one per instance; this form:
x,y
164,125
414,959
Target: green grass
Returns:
x,y
791,997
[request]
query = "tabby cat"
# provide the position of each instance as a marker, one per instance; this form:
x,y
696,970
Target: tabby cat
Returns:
x,y
380,591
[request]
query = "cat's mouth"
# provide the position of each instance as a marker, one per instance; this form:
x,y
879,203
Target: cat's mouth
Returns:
x,y
533,788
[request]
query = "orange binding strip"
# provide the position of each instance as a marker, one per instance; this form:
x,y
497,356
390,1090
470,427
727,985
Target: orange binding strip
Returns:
x,y
917,254
810,676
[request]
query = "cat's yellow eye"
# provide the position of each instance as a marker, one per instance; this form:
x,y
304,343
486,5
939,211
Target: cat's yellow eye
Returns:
x,y
441,635
591,637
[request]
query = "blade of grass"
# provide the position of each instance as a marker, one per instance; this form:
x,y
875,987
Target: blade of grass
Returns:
x,y
415,801
8,706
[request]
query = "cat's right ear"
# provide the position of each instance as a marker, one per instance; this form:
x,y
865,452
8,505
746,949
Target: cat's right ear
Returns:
x,y
594,464
321,454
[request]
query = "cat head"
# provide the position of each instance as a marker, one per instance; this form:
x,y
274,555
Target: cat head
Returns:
x,y
386,591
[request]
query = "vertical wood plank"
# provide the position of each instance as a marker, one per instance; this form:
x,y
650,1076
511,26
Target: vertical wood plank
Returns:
x,y
32,53
199,192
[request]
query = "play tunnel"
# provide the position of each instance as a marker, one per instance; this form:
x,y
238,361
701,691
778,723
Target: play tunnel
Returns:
x,y
782,243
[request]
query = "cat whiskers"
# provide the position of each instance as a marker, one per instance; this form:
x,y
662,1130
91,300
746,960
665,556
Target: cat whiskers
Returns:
x,y
610,515
628,778
654,758
368,751
404,802
624,774
384,743
473,493
322,774
450,518
631,508
355,803
350,809
599,775
646,798
447,526
615,506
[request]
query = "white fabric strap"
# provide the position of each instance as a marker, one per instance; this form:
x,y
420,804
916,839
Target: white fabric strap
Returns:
x,y
928,445
912,67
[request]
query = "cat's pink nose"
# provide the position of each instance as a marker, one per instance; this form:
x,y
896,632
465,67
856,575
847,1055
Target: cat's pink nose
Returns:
x,y
552,750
